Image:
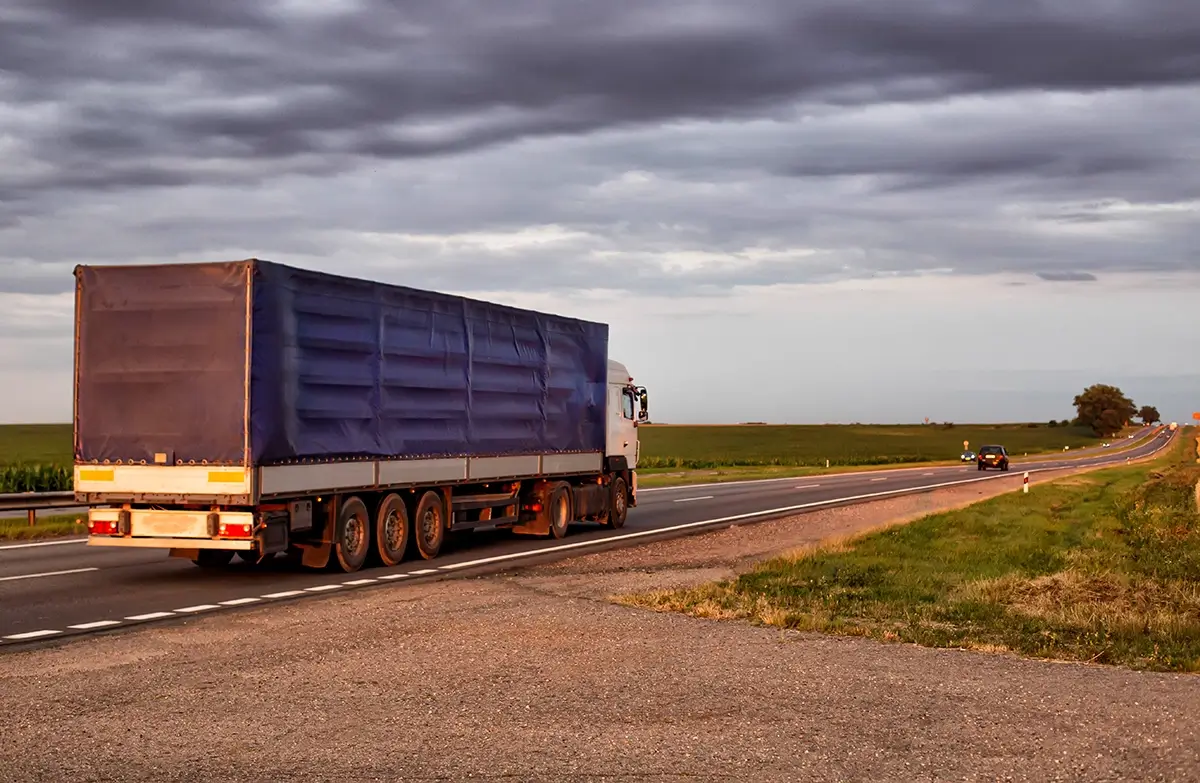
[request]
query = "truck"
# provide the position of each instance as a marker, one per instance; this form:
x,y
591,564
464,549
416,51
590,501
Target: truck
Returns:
x,y
259,409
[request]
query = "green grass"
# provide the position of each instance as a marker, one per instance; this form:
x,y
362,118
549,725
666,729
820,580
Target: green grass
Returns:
x,y
46,527
666,447
1103,567
36,443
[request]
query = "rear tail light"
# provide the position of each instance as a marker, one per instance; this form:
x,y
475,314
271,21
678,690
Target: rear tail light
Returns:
x,y
235,530
102,527
535,507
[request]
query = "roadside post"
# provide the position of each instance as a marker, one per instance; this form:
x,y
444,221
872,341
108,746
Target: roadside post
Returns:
x,y
1025,483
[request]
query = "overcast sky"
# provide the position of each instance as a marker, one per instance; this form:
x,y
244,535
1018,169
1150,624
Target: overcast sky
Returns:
x,y
832,210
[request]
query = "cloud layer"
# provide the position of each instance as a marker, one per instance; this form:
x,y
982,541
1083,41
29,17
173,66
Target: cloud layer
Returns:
x,y
657,149
646,144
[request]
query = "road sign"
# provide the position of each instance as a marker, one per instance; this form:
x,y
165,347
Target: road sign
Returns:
x,y
966,443
1196,415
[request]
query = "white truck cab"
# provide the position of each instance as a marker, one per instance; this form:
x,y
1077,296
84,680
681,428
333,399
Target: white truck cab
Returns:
x,y
627,405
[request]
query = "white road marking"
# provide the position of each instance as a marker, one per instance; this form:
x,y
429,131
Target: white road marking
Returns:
x,y
33,544
46,573
97,624
322,588
580,544
240,601
151,616
31,635
926,474
689,500
808,486
356,582
880,479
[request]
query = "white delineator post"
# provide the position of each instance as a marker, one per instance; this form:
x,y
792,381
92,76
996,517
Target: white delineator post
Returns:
x,y
1025,483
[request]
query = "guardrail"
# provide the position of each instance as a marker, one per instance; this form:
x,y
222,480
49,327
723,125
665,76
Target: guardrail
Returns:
x,y
32,502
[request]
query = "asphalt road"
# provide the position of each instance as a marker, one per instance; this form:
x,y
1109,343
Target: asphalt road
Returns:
x,y
56,589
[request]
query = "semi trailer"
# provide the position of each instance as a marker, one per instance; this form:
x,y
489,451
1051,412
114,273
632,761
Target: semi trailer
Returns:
x,y
258,409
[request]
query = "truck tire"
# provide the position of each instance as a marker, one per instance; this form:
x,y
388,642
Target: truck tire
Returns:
x,y
352,535
393,530
558,510
618,503
429,525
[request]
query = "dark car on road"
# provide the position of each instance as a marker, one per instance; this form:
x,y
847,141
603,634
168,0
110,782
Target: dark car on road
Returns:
x,y
992,457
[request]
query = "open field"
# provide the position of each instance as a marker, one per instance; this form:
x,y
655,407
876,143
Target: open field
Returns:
x,y
671,454
1099,568
697,447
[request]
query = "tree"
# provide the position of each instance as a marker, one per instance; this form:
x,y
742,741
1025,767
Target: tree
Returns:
x,y
1104,408
1149,414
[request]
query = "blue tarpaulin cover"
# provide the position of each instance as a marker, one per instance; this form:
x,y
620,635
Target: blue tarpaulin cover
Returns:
x,y
339,367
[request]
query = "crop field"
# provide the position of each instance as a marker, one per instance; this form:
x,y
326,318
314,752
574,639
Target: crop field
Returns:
x,y
37,457
700,447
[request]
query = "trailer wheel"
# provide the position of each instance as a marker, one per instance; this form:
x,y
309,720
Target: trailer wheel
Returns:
x,y
559,511
213,558
392,530
429,525
618,503
352,535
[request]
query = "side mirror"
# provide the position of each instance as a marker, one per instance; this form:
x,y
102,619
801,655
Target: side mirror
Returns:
x,y
644,400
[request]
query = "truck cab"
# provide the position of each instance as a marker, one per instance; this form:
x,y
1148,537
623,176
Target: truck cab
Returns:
x,y
627,406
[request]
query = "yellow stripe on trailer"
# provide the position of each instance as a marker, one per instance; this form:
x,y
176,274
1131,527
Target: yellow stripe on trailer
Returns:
x,y
226,477
96,474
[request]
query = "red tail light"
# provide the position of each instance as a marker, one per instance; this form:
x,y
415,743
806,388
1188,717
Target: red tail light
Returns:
x,y
102,527
235,530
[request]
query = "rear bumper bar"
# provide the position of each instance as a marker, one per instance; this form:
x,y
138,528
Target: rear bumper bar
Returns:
x,y
172,543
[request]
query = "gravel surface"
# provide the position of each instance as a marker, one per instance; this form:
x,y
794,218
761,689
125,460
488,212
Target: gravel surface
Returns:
x,y
534,676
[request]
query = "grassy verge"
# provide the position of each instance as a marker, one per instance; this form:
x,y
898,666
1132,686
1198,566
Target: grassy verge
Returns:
x,y
1103,567
46,527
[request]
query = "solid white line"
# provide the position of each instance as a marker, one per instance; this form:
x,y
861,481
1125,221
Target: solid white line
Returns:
x,y
56,542
738,517
580,544
46,573
689,500
240,601
31,635
151,616
97,624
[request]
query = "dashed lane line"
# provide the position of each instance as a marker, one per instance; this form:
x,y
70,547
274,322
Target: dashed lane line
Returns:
x,y
534,553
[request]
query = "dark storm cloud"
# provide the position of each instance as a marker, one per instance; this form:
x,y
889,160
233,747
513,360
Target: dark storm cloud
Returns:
x,y
819,131
1068,277
348,82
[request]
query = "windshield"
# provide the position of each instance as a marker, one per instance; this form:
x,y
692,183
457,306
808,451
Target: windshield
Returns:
x,y
990,450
